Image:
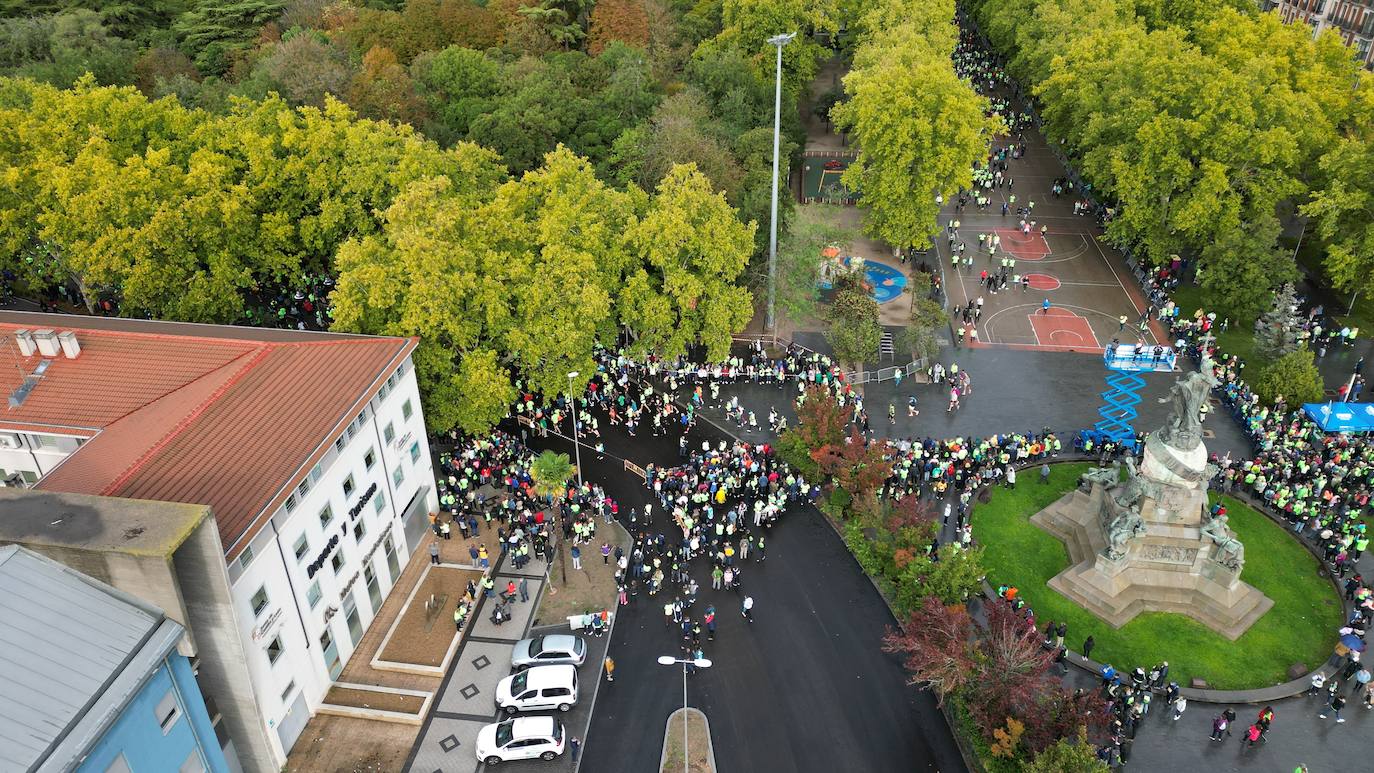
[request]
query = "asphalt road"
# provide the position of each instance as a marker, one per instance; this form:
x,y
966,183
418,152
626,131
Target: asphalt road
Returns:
x,y
803,688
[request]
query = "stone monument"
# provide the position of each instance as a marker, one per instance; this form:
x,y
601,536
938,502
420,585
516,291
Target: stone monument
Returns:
x,y
1147,543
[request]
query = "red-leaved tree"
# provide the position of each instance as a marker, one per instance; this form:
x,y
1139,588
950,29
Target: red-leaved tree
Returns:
x,y
857,467
937,643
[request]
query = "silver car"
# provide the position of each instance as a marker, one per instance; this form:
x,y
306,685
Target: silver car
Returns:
x,y
548,650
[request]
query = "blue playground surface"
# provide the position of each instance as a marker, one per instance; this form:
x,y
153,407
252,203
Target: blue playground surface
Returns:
x,y
887,282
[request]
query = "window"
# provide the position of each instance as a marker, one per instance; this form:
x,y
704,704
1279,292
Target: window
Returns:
x,y
312,594
361,420
316,473
397,476
406,410
326,515
386,390
339,444
415,452
370,458
259,601
352,430
301,548
275,650
46,441
167,712
378,502
359,530
389,434
348,485
303,488
290,503
246,557
337,561
193,763
286,694
30,476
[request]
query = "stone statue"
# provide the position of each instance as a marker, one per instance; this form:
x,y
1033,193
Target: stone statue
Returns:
x,y
1128,494
1103,476
1184,427
1124,527
1230,551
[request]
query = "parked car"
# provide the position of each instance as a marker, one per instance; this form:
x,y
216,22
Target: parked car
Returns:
x,y
520,739
541,688
548,650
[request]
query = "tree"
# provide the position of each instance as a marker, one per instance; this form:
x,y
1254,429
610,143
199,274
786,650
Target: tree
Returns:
x,y
1343,206
551,472
691,249
382,89
1277,331
1067,755
936,641
215,35
618,20
304,68
813,231
855,466
1294,377
821,422
459,85
854,332
161,64
920,130
952,574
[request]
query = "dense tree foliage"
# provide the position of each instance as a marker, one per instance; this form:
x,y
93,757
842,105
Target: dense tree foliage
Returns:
x,y
919,127
1200,121
529,275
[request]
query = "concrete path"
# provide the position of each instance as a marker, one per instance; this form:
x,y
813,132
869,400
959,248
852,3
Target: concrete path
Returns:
x,y
465,701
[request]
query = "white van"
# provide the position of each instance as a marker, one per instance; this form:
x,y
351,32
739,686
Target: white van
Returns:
x,y
541,688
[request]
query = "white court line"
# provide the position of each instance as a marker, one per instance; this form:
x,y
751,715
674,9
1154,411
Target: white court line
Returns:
x,y
1129,297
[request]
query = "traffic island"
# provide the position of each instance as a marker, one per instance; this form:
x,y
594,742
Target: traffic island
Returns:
x,y
698,756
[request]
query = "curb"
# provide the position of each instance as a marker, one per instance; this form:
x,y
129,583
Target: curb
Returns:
x,y
710,747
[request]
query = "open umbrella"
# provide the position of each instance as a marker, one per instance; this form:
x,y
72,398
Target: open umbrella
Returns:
x,y
1353,642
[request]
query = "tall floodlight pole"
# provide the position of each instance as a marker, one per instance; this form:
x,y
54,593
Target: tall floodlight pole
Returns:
x,y
770,321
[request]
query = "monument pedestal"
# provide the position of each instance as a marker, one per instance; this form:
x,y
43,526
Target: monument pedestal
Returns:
x,y
1171,567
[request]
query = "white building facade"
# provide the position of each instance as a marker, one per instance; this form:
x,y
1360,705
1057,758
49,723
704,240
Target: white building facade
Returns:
x,y
314,538
308,586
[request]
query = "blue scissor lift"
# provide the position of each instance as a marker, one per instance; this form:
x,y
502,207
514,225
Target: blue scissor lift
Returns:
x,y
1124,364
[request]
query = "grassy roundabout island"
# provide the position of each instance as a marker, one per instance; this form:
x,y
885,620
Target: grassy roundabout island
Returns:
x,y
1300,628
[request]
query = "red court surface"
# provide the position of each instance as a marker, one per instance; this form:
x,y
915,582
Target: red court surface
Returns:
x,y
1043,282
1030,246
1061,327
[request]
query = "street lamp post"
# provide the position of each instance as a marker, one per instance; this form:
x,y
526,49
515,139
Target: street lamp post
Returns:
x,y
779,41
669,660
577,465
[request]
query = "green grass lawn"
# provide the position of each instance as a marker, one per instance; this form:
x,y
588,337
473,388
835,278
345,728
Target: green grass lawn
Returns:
x,y
1300,628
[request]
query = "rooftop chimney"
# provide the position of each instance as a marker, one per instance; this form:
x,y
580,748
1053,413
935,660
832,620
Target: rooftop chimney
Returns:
x,y
47,342
70,346
24,339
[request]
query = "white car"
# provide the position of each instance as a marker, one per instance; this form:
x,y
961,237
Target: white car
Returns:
x,y
548,650
520,739
542,688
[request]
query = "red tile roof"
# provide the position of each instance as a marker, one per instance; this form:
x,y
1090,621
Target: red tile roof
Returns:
x,y
224,417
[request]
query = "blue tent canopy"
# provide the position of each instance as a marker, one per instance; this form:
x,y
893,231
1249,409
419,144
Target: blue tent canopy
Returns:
x,y
1341,417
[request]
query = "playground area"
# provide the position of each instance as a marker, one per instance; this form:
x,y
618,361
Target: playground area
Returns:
x,y
821,172
1088,290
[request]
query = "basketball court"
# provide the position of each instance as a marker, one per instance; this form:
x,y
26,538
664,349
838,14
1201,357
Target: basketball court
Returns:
x,y
1087,284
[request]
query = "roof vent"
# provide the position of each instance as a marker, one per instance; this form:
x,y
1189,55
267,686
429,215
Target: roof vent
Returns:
x,y
24,338
47,342
70,346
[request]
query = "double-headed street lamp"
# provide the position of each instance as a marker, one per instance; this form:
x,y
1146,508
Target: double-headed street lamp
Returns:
x,y
577,457
669,660
770,321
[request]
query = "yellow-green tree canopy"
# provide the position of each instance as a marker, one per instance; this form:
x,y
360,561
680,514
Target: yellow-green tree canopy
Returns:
x,y
919,127
523,281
